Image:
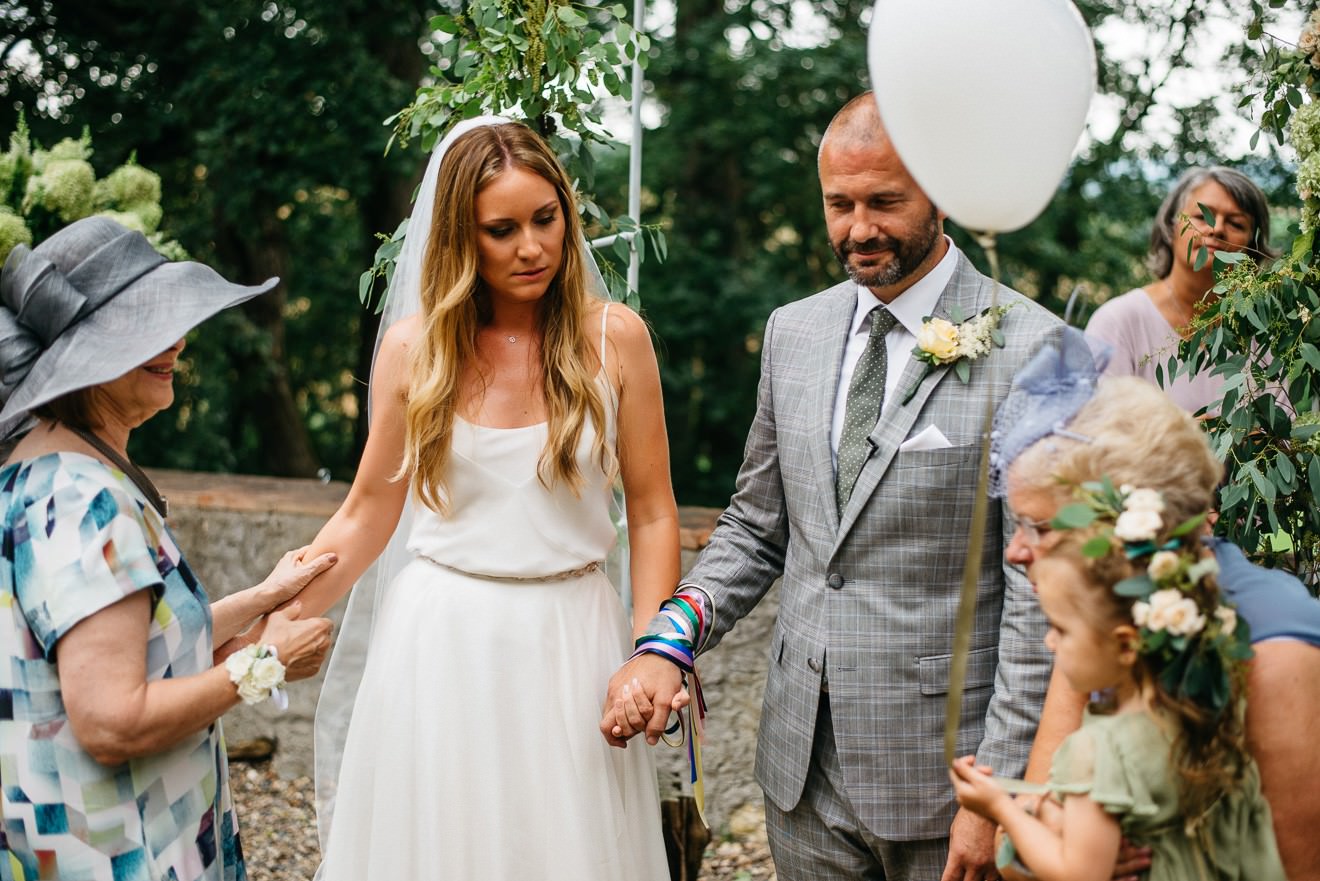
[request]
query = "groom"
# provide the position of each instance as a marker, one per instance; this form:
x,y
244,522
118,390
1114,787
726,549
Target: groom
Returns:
x,y
866,519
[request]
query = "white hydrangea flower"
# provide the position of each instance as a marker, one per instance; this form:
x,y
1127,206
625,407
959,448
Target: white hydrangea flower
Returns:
x,y
126,219
1308,176
64,188
1162,565
127,186
1304,129
1140,525
13,231
1227,616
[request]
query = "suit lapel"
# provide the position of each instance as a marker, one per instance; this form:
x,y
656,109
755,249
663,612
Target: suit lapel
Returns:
x,y
898,418
841,306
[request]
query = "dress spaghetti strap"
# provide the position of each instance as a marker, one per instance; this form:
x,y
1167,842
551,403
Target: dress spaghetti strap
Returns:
x,y
604,314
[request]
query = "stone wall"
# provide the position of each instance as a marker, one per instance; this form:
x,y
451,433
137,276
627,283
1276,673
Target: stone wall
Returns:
x,y
234,529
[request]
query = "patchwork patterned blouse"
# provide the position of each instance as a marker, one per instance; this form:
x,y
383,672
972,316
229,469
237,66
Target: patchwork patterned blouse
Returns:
x,y
77,538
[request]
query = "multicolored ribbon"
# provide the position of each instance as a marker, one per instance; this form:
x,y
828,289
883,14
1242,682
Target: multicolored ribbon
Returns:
x,y
674,633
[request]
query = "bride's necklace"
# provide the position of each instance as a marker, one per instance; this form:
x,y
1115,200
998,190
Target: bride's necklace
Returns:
x,y
131,471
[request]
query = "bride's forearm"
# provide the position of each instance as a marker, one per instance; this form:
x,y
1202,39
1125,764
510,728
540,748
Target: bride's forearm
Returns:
x,y
357,533
654,569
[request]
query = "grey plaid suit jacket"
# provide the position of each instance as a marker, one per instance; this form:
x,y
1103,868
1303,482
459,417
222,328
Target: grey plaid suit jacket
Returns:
x,y
869,598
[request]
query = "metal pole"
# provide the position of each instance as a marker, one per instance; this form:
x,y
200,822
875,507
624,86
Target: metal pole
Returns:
x,y
604,242
635,152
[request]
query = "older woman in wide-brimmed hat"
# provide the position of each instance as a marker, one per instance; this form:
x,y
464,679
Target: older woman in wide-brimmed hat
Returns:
x,y
111,755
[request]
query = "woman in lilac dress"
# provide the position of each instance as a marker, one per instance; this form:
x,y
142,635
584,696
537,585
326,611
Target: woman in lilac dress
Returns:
x,y
1146,324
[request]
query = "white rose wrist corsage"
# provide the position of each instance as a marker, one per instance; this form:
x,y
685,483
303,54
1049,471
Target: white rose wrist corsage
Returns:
x,y
258,673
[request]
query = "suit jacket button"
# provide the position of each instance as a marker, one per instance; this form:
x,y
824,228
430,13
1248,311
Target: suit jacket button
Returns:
x,y
814,665
835,581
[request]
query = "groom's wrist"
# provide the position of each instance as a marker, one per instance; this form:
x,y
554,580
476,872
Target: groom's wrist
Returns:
x,y
699,597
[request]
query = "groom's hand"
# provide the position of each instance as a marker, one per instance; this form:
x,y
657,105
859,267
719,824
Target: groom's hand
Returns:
x,y
971,848
640,697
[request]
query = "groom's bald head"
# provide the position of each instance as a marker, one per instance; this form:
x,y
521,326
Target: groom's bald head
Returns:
x,y
857,124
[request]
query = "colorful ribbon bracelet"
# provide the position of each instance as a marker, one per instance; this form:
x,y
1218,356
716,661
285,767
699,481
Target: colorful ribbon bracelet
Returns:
x,y
673,633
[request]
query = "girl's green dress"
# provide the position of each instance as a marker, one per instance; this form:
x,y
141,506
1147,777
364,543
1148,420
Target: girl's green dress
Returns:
x,y
1124,763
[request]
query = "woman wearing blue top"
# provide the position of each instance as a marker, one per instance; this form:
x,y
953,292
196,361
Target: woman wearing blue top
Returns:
x,y
112,762
1059,428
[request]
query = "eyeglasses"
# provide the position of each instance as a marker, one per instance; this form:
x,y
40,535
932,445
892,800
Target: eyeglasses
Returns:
x,y
1032,530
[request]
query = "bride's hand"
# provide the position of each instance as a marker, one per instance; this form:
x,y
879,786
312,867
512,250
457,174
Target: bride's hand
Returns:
x,y
654,690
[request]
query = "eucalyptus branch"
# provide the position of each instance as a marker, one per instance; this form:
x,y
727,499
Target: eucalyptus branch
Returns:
x,y
547,62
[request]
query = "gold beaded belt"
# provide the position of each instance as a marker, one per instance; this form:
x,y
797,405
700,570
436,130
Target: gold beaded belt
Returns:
x,y
557,576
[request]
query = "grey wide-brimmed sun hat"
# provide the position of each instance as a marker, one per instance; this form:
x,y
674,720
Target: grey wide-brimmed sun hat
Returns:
x,y
89,304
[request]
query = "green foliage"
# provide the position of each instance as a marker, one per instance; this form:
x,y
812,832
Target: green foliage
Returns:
x,y
264,124
545,57
59,186
544,61
1261,336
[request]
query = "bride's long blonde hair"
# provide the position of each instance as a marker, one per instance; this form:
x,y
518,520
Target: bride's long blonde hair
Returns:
x,y
455,305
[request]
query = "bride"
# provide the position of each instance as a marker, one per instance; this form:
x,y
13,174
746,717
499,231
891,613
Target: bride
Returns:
x,y
506,397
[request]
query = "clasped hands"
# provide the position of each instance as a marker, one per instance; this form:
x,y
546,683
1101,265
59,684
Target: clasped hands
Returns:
x,y
641,695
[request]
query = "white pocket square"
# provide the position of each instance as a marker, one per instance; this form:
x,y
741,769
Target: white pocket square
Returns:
x,y
929,438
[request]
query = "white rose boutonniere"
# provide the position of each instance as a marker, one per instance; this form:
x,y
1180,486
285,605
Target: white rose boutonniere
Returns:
x,y
956,341
939,339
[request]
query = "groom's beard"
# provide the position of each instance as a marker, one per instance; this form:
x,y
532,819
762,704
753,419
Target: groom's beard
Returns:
x,y
904,256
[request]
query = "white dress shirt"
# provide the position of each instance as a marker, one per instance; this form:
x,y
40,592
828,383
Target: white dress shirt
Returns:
x,y
909,308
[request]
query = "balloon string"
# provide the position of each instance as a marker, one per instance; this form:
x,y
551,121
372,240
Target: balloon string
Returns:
x,y
962,634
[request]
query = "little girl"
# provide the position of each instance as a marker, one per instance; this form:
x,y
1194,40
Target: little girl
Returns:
x,y
1134,613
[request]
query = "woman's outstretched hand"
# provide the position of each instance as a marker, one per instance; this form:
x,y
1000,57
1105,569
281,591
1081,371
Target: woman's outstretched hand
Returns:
x,y
291,574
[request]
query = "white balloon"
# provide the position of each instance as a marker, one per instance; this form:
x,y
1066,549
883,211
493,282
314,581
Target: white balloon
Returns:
x,y
984,100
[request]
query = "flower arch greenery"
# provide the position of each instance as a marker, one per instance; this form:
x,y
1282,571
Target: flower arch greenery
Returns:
x,y
1262,334
547,62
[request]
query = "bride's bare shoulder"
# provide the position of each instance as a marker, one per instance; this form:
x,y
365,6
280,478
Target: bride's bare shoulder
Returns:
x,y
403,334
394,358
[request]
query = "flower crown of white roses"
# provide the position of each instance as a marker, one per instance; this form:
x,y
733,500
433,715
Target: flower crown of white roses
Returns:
x,y
1192,639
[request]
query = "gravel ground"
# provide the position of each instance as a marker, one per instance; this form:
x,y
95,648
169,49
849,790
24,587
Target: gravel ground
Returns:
x,y
277,819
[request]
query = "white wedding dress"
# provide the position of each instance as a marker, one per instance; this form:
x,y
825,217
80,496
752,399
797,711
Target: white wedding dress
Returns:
x,y
473,753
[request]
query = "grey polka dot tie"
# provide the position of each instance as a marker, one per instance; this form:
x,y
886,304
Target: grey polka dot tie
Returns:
x,y
866,396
